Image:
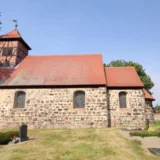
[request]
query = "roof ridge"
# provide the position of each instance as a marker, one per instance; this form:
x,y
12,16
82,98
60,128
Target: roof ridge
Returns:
x,y
120,67
64,55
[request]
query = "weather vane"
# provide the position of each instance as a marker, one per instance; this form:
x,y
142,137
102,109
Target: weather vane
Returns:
x,y
16,25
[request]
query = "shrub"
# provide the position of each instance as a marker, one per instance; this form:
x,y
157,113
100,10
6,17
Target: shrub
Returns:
x,y
157,123
5,137
145,134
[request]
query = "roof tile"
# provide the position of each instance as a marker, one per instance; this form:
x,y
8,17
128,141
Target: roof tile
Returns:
x,y
122,77
5,73
12,34
59,70
147,95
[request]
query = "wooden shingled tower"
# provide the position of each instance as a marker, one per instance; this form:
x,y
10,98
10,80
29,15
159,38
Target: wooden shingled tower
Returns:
x,y
13,49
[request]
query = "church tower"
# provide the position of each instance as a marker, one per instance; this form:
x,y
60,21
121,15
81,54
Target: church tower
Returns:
x,y
13,49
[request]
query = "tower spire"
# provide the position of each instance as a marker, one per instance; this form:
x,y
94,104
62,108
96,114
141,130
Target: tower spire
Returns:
x,y
13,49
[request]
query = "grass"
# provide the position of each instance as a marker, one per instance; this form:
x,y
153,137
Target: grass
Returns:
x,y
155,127
153,131
75,144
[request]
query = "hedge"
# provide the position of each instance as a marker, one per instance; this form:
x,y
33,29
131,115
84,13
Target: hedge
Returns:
x,y
145,134
5,137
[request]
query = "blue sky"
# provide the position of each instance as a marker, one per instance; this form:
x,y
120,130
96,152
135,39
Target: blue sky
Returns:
x,y
119,29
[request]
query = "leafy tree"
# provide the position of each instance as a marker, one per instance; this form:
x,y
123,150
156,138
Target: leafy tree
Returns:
x,y
157,108
148,84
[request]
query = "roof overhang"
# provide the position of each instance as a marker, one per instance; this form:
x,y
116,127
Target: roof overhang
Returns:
x,y
52,86
16,39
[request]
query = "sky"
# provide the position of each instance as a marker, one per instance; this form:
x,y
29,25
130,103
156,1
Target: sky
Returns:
x,y
118,29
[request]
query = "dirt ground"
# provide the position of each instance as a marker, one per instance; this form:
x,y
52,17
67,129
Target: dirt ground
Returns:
x,y
147,142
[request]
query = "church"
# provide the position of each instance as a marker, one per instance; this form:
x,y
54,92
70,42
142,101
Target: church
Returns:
x,y
68,91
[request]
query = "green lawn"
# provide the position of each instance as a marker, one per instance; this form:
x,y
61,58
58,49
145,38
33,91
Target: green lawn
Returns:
x,y
153,131
75,144
155,127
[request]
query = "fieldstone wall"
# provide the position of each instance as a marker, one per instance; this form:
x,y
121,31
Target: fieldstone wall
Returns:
x,y
134,115
149,111
46,108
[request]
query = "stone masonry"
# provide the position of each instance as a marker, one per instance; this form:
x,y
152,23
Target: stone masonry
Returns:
x,y
134,115
149,111
46,108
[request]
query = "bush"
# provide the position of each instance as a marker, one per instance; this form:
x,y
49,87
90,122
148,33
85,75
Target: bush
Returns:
x,y
157,123
5,137
145,134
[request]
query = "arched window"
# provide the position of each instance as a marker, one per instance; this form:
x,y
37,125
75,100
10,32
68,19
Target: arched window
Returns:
x,y
122,99
19,99
79,99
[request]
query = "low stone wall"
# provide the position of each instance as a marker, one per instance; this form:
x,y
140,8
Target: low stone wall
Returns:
x,y
134,115
46,108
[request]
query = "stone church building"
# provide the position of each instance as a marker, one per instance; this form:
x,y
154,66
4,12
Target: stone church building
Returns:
x,y
67,91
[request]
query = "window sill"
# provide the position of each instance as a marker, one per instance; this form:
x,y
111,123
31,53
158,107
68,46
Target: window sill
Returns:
x,y
17,108
125,109
79,109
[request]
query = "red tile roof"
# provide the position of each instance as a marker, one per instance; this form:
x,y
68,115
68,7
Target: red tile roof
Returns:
x,y
5,73
147,95
59,70
122,77
14,34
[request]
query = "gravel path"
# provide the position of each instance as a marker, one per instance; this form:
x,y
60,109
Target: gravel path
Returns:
x,y
147,142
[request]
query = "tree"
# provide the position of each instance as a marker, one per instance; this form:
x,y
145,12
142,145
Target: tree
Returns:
x,y
148,84
157,108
